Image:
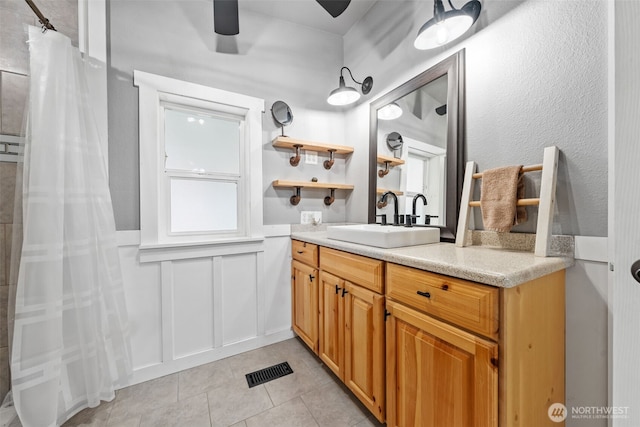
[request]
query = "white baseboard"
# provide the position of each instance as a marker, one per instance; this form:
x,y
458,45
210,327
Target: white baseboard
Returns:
x,y
170,367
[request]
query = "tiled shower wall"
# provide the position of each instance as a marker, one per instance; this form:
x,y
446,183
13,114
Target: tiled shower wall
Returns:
x,y
15,15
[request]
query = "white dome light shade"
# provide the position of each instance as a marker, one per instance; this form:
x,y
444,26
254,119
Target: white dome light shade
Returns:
x,y
343,96
390,112
445,27
434,34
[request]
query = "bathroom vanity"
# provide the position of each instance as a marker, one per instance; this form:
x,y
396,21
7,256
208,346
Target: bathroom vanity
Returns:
x,y
435,335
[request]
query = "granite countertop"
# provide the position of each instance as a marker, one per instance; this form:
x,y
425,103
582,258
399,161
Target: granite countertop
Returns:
x,y
488,265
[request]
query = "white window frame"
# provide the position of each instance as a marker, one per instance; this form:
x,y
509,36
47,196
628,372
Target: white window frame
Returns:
x,y
156,92
423,151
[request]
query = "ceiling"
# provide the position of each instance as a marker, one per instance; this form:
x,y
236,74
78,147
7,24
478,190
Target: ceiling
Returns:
x,y
309,13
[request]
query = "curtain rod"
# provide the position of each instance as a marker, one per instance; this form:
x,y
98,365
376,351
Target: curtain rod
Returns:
x,y
43,20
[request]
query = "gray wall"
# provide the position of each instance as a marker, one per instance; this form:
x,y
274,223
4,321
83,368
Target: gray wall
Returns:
x,y
536,75
274,60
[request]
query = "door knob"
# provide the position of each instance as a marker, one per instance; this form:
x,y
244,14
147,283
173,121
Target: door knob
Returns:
x,y
635,270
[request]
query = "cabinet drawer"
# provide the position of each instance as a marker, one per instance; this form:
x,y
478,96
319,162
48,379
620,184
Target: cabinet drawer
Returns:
x,y
466,304
305,252
360,270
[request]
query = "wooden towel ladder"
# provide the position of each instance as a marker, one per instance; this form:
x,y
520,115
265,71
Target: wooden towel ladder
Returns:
x,y
545,202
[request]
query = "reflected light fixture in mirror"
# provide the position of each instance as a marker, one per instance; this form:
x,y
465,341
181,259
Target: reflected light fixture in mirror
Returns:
x,y
447,26
390,112
345,95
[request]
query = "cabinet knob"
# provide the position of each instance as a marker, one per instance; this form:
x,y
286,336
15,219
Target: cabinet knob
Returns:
x,y
424,294
311,277
338,289
344,292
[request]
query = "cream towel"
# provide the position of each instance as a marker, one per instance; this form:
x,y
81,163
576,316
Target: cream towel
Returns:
x,y
501,188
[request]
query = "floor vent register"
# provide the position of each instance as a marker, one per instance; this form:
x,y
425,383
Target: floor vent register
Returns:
x,y
267,374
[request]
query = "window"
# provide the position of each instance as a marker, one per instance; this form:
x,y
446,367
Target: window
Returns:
x,y
425,169
200,163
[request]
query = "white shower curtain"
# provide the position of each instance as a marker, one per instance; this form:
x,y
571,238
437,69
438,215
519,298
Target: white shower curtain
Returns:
x,y
70,342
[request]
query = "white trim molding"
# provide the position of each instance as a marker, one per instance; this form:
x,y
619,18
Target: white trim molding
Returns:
x,y
154,199
92,42
591,248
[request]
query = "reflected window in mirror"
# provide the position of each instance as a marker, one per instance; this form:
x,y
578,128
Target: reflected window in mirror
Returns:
x,y
425,169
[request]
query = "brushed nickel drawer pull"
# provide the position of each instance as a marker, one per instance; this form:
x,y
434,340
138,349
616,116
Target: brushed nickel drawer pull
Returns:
x,y
424,294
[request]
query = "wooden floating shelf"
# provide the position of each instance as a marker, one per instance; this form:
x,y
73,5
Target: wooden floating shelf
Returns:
x,y
384,190
311,184
286,142
392,161
387,162
297,185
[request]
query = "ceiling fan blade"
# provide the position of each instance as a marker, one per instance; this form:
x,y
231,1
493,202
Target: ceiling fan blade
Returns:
x,y
334,7
225,17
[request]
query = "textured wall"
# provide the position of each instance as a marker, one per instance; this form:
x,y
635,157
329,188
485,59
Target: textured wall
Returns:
x,y
536,75
545,84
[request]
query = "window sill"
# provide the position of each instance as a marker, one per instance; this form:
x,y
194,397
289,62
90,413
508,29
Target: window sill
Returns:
x,y
187,250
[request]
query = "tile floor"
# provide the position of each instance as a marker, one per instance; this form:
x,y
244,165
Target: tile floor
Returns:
x,y
217,394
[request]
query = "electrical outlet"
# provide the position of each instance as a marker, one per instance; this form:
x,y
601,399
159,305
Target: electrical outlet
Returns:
x,y
311,217
311,157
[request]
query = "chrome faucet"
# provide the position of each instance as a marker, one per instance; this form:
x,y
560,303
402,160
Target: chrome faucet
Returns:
x,y
413,205
383,202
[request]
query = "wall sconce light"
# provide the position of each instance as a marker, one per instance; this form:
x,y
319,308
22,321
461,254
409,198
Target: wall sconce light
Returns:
x,y
447,26
345,95
390,112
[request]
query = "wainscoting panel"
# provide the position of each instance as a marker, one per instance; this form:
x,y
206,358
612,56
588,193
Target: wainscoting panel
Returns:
x,y
192,286
239,298
143,294
277,284
204,305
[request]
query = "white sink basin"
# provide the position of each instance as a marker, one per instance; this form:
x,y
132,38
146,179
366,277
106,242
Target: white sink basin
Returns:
x,y
384,236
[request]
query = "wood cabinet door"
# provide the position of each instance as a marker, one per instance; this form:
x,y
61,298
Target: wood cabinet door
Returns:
x,y
437,374
304,294
331,304
364,348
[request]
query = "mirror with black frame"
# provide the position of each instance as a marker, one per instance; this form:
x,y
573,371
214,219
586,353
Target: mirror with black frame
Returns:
x,y
416,142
